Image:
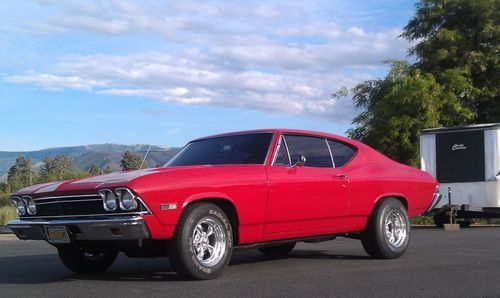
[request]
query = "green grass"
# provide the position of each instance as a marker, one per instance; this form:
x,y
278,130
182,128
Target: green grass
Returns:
x,y
7,209
422,220
5,200
7,213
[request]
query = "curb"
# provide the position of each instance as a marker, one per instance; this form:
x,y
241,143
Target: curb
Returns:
x,y
5,230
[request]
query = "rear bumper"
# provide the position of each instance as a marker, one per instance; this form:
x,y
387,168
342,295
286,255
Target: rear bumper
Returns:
x,y
111,228
435,200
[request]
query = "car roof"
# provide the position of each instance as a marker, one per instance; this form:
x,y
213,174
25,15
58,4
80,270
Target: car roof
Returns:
x,y
282,131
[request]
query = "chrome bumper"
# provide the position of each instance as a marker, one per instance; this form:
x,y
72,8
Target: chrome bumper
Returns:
x,y
435,200
111,228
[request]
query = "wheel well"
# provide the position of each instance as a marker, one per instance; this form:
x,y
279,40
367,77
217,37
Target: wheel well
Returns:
x,y
401,199
228,209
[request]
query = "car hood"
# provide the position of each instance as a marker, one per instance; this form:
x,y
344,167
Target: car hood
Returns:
x,y
85,184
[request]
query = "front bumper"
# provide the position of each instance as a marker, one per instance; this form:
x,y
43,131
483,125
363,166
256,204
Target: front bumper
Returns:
x,y
110,228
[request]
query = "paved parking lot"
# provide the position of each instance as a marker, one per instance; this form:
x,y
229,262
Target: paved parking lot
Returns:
x,y
437,264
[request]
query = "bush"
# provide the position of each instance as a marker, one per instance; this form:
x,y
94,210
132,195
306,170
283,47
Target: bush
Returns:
x,y
5,200
7,213
422,220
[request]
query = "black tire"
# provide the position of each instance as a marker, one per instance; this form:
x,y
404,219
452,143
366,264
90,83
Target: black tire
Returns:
x,y
278,250
464,223
380,239
440,219
86,260
194,259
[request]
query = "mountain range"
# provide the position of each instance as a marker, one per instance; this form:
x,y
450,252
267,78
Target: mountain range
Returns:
x,y
102,155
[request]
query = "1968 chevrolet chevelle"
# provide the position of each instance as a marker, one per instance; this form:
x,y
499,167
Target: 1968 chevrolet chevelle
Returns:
x,y
266,189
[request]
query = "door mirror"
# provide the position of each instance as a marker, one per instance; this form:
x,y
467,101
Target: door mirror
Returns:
x,y
301,161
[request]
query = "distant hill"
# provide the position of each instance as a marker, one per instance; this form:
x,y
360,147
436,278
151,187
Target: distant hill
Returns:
x,y
102,155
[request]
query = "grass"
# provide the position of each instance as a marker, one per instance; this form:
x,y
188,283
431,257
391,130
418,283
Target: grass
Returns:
x,y
7,209
7,213
5,200
422,220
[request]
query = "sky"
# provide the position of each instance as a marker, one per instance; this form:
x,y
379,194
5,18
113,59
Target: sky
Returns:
x,y
166,72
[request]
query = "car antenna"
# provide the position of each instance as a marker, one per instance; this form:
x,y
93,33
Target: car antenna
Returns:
x,y
145,156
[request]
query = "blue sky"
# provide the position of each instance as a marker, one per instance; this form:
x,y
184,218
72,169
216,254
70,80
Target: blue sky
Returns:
x,y
165,72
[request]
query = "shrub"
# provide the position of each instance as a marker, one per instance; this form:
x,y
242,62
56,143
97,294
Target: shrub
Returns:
x,y
422,220
5,200
7,213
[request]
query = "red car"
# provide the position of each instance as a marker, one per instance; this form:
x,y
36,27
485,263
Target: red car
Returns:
x,y
266,188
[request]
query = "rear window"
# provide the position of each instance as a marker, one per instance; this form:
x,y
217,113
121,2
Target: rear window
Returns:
x,y
341,153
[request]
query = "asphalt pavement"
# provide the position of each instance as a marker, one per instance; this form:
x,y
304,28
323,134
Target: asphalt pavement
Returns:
x,y
463,263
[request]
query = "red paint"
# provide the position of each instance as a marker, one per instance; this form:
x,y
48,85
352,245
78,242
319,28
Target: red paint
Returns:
x,y
272,202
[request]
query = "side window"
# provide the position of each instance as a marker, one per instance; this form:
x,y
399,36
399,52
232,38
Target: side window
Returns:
x,y
282,154
342,153
314,149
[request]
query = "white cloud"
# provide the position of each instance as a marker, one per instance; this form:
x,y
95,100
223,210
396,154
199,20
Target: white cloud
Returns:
x,y
278,57
55,82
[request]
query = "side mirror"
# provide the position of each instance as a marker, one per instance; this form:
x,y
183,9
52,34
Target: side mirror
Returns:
x,y
301,161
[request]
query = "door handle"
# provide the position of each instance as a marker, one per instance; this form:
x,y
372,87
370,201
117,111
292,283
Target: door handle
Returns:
x,y
340,176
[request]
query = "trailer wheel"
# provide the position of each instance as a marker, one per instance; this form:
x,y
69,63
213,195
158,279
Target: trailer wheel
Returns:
x,y
387,233
440,219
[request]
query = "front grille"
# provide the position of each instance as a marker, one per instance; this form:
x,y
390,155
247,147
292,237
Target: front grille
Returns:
x,y
76,206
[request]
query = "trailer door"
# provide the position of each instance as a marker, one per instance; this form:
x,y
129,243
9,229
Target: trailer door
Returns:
x,y
460,156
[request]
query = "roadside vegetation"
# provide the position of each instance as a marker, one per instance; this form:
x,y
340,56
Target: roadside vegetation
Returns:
x,y
7,210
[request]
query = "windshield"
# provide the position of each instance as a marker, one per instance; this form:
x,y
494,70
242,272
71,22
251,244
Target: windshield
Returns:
x,y
233,149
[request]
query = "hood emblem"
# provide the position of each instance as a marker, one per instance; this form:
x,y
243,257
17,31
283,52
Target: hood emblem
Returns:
x,y
458,147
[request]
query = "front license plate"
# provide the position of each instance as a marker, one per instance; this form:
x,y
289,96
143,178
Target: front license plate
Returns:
x,y
57,234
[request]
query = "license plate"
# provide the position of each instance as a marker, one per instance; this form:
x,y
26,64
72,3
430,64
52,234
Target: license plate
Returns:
x,y
57,234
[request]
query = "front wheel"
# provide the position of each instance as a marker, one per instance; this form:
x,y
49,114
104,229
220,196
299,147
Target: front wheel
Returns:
x,y
202,243
86,260
387,233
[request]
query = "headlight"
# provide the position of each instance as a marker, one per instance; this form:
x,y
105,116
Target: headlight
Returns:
x,y
20,206
108,200
127,199
31,206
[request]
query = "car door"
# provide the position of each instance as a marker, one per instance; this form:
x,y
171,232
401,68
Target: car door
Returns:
x,y
313,197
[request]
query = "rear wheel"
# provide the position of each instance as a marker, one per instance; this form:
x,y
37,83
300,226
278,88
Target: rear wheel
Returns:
x,y
202,243
86,260
387,233
278,250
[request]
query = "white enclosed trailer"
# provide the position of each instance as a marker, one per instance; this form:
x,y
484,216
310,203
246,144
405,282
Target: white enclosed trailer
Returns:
x,y
466,162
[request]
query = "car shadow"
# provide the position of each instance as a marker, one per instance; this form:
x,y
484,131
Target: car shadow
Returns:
x,y
248,256
41,269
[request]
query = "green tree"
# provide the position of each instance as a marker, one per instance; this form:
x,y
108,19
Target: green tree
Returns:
x,y
58,168
131,161
454,80
461,38
396,108
20,174
94,170
107,170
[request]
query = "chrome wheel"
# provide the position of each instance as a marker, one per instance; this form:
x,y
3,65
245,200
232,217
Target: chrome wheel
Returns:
x,y
395,228
209,241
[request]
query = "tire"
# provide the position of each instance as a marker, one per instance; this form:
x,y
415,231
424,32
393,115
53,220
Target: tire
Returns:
x,y
387,233
278,250
440,219
464,223
86,260
202,244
